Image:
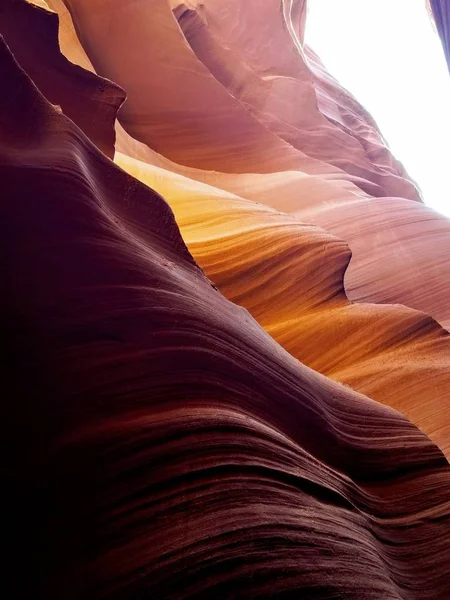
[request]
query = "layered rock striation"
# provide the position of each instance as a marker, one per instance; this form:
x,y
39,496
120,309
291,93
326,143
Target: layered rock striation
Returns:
x,y
226,353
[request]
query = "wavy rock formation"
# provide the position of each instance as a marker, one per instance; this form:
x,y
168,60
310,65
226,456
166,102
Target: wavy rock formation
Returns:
x,y
290,277
91,102
159,442
425,262
247,143
230,139
257,66
299,326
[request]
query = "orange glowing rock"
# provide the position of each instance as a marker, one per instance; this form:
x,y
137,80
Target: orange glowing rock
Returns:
x,y
169,439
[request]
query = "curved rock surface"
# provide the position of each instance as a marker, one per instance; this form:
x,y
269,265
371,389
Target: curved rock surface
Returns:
x,y
159,442
290,277
229,140
265,66
298,327
251,143
31,33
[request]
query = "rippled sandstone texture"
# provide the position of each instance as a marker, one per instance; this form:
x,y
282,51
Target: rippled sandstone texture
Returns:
x,y
160,442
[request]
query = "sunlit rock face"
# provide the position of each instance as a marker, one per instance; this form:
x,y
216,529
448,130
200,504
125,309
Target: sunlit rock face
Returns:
x,y
226,354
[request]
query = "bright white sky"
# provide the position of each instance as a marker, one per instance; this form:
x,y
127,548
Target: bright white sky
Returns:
x,y
388,55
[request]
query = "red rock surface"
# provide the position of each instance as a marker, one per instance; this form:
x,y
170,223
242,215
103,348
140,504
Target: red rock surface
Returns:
x,y
232,139
91,102
160,441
